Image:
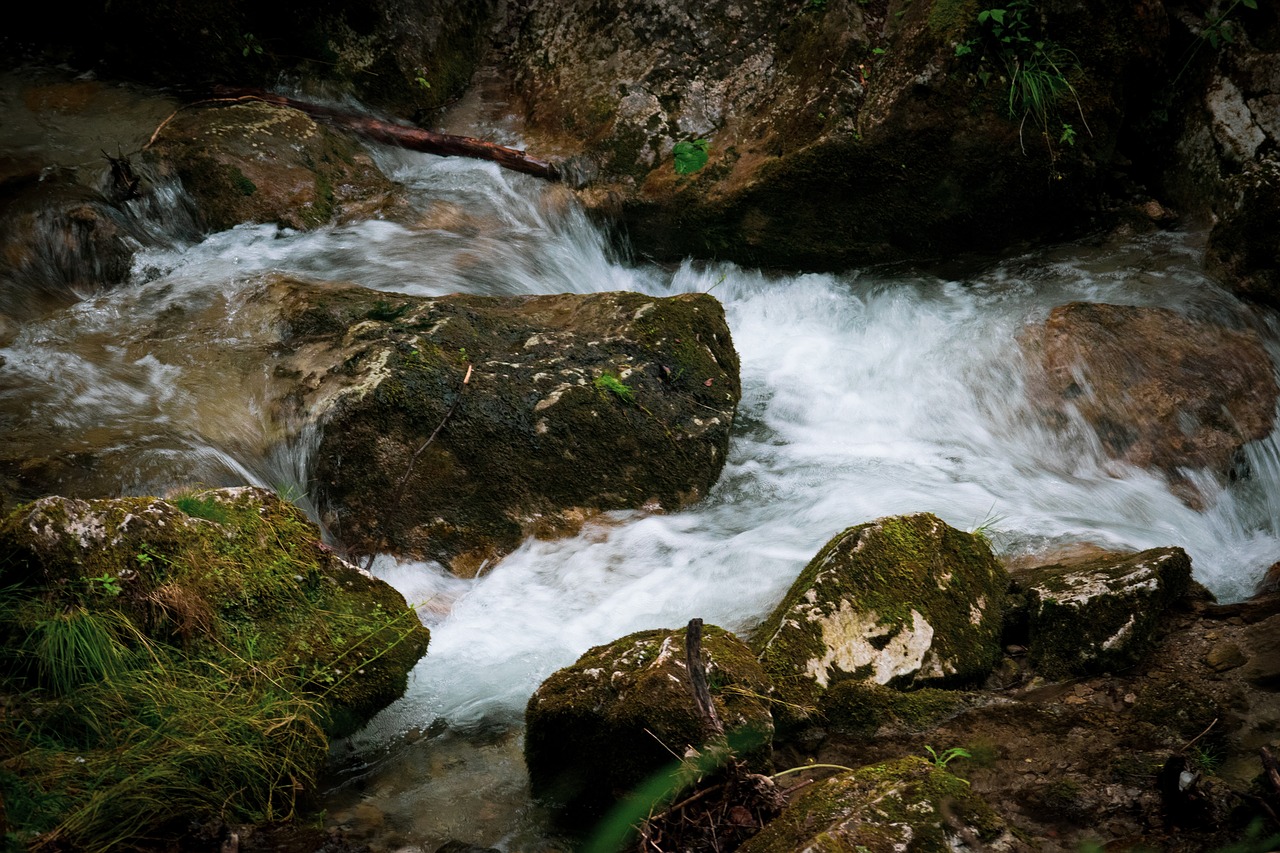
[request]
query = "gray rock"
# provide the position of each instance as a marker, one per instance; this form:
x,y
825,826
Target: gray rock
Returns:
x,y
1103,614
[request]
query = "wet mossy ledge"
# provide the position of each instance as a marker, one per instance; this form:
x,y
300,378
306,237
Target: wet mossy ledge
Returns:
x,y
167,663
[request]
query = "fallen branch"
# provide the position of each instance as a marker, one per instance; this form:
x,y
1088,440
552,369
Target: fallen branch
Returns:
x,y
413,138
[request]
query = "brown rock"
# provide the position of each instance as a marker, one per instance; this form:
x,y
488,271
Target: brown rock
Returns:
x,y
1225,656
255,162
1162,391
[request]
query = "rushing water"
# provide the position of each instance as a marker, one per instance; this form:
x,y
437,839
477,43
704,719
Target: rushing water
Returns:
x,y
864,394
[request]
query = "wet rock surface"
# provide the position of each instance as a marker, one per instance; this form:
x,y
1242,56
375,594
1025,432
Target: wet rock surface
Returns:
x,y
619,716
256,162
839,133
1160,389
902,601
1099,615
573,405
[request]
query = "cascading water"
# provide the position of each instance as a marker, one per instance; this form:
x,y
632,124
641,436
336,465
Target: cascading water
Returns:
x,y
864,394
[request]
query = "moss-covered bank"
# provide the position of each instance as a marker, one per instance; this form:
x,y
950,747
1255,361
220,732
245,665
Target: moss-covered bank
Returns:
x,y
166,662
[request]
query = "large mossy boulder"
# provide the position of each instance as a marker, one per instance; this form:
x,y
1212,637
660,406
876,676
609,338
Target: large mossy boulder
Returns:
x,y
905,805
235,576
258,162
905,601
837,133
1160,389
1102,614
574,405
1244,245
615,719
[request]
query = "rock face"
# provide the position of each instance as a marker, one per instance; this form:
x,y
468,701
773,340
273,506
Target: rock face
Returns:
x,y
902,601
575,404
1244,248
607,724
838,132
908,804
256,162
211,571
1103,614
1161,391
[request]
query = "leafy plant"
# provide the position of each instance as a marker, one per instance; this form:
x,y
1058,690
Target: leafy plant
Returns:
x,y
691,155
942,759
1037,71
108,584
250,45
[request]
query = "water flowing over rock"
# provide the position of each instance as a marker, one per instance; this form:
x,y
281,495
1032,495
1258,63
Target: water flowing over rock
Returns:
x,y
604,726
60,242
256,162
575,404
1161,390
903,601
208,568
1102,614
908,804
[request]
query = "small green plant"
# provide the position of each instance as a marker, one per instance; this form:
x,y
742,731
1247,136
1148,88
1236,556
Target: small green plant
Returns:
x,y
1218,31
105,582
612,384
1036,71
202,506
691,155
249,44
942,759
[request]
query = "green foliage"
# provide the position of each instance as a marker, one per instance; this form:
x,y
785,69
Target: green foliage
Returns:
x,y
1036,71
74,648
250,44
942,759
1218,30
690,156
613,385
106,583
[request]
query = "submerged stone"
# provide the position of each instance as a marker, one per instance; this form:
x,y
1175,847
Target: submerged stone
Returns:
x,y
619,716
1102,614
1160,389
903,601
908,804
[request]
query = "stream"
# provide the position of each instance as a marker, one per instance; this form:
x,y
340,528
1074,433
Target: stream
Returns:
x,y
868,393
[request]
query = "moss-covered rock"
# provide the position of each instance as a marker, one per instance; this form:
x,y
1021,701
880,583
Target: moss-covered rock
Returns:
x,y
1103,614
602,727
904,805
1244,248
575,404
903,601
861,708
234,576
257,162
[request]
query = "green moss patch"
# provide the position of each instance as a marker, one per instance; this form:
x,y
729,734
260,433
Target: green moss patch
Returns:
x,y
908,804
165,666
901,601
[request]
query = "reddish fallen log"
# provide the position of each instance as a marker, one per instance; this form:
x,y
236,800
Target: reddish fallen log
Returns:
x,y
413,138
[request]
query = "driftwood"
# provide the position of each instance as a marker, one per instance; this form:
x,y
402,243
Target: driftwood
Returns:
x,y
413,138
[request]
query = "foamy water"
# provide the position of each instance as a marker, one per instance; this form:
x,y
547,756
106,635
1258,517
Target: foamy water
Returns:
x,y
864,395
